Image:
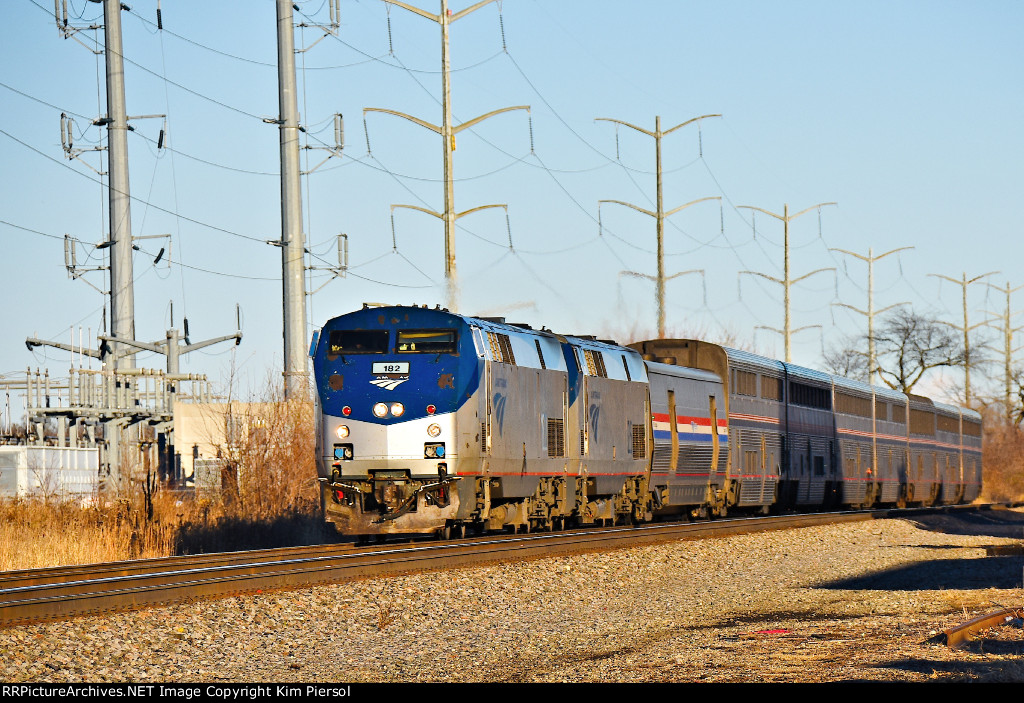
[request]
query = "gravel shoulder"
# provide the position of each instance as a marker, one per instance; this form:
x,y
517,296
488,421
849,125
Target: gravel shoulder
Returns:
x,y
855,602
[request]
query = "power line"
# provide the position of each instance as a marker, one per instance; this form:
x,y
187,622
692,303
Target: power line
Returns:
x,y
134,198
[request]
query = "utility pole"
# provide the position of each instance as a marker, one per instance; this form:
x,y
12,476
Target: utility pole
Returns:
x,y
963,283
447,132
114,397
871,312
1008,349
660,213
293,246
786,282
122,291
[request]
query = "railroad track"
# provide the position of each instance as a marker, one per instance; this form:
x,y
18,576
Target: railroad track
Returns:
x,y
66,592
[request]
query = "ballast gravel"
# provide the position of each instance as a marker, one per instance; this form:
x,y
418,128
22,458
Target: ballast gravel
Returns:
x,y
853,602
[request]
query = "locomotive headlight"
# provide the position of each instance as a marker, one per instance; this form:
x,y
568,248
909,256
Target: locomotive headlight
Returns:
x,y
434,430
342,431
380,409
397,409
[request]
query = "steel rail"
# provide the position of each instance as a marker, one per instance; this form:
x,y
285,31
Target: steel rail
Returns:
x,y
962,634
49,594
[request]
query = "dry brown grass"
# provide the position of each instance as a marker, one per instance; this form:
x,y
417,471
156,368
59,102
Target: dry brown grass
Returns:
x,y
37,533
270,462
1003,461
268,499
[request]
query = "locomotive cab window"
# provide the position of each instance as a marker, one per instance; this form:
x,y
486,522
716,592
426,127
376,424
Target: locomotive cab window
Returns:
x,y
357,342
427,342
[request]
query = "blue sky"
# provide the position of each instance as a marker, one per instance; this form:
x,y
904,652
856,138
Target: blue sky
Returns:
x,y
907,114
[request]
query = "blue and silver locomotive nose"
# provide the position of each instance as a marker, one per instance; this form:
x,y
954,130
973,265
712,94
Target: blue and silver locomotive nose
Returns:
x,y
390,384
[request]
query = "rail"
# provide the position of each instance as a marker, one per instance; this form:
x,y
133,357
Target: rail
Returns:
x,y
64,592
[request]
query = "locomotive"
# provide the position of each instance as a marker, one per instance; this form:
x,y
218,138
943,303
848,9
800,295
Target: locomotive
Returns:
x,y
430,422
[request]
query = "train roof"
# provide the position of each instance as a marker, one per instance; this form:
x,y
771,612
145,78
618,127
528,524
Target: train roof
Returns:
x,y
745,358
682,372
803,373
523,339
947,409
890,394
850,384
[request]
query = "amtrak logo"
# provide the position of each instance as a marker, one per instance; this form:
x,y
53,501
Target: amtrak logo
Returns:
x,y
499,409
389,384
595,415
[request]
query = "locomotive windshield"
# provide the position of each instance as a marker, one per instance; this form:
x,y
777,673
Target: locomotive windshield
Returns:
x,y
427,342
357,342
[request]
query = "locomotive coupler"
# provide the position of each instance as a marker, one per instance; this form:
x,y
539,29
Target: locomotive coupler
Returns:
x,y
437,494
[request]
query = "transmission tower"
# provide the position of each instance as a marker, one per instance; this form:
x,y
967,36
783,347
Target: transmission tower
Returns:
x,y
871,312
447,132
121,396
659,215
966,327
786,282
1008,348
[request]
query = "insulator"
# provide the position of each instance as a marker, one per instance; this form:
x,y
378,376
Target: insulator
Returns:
x,y
700,142
501,21
366,131
343,251
339,131
63,132
508,227
391,47
530,117
159,16
160,140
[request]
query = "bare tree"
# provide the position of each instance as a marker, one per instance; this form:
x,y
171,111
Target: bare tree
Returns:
x,y
909,344
846,358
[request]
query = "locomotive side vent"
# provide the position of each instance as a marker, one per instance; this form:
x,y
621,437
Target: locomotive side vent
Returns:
x,y
639,441
556,437
595,363
501,348
540,355
483,437
583,443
